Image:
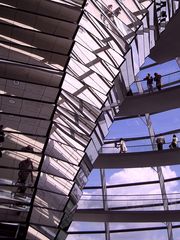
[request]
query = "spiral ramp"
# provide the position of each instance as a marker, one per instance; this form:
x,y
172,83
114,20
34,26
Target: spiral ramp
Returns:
x,y
62,63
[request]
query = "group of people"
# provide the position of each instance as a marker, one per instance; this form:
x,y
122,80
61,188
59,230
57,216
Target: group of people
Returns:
x,y
161,141
149,80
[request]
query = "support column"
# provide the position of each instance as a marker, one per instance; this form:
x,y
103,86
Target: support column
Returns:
x,y
105,203
160,176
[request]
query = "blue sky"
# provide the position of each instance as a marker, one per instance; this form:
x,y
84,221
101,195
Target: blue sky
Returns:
x,y
164,68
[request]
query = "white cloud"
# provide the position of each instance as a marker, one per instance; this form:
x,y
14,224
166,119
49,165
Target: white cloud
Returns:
x,y
139,175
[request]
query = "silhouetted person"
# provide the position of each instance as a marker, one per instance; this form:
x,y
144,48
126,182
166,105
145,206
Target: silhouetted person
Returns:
x,y
157,79
149,81
174,143
1,134
160,141
25,169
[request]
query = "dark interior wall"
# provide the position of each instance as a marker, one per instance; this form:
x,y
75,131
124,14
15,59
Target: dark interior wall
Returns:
x,y
168,45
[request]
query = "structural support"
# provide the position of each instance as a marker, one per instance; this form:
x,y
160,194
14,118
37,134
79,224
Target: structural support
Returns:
x,y
105,202
99,215
137,159
160,176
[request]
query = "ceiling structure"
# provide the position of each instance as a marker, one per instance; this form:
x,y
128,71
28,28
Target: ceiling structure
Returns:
x,y
170,38
65,69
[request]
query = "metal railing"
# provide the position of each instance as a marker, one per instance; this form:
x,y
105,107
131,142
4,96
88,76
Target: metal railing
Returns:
x,y
168,81
139,202
132,148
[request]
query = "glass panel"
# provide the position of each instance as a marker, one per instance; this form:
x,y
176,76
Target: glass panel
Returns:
x,y
22,178
161,121
45,217
151,23
20,141
13,214
64,151
146,38
33,234
145,235
91,151
81,179
59,168
26,74
55,184
128,128
86,226
86,236
91,199
135,57
129,67
127,226
125,176
50,200
12,159
140,43
176,231
94,178
24,125
28,90
27,108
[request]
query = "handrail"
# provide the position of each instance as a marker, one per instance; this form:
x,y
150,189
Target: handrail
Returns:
x,y
143,145
132,198
127,199
166,82
130,195
142,80
134,148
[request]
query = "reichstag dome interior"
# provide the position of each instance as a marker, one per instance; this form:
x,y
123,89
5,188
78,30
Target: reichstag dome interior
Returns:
x,y
90,119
